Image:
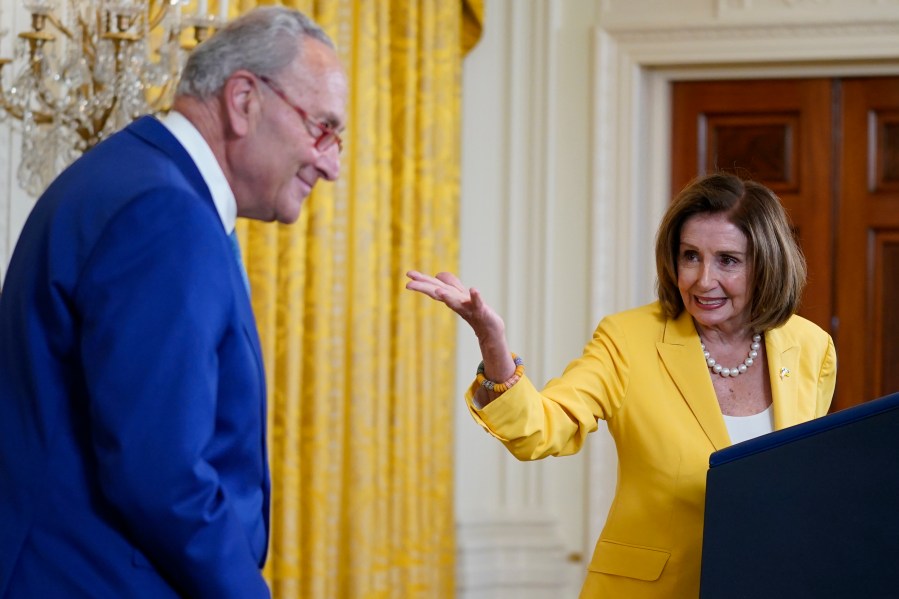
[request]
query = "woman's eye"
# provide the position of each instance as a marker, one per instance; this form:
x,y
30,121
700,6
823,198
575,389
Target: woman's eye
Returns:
x,y
728,260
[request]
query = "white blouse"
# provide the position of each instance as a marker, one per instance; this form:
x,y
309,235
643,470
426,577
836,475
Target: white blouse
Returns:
x,y
742,428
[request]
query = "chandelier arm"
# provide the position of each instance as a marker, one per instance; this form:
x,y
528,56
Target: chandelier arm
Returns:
x,y
91,138
40,118
88,48
46,100
59,26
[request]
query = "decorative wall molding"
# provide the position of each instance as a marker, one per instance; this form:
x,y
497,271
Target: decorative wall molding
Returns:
x,y
652,14
843,42
725,5
519,523
812,31
517,553
511,545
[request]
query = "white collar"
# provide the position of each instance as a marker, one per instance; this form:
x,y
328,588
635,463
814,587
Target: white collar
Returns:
x,y
189,137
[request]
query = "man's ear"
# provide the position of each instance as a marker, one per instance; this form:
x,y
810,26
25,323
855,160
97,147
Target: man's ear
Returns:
x,y
241,101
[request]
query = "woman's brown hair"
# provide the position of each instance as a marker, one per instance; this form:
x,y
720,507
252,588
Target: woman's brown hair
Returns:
x,y
777,266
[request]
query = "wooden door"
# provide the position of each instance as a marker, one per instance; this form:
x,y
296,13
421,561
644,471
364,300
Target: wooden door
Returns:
x,y
827,147
867,240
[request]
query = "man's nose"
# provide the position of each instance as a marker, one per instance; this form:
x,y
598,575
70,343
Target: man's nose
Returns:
x,y
328,163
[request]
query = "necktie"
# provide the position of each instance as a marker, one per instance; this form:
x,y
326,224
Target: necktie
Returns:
x,y
235,246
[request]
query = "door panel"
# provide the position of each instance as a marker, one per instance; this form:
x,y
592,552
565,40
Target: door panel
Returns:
x,y
867,266
761,144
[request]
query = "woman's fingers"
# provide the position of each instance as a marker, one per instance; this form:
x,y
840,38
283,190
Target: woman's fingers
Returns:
x,y
449,291
452,280
446,287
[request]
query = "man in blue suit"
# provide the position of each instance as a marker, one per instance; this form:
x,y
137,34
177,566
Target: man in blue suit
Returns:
x,y
132,395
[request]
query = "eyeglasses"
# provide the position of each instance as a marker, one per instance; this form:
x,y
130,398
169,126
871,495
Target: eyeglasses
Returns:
x,y
325,135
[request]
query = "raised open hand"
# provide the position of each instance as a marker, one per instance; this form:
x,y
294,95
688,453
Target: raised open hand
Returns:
x,y
487,325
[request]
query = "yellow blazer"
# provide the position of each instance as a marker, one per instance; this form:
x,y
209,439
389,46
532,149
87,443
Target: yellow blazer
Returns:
x,y
646,377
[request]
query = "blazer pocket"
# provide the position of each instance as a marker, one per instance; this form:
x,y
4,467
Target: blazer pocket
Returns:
x,y
632,561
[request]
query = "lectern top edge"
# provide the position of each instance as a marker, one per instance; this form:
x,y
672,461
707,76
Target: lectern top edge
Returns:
x,y
806,429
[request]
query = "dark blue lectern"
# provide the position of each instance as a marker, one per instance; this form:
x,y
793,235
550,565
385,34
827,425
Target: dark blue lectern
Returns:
x,y
811,511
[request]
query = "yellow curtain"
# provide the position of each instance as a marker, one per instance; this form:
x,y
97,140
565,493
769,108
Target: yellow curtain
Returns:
x,y
360,370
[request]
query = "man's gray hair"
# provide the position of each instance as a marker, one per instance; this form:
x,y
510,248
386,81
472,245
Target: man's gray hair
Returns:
x,y
264,41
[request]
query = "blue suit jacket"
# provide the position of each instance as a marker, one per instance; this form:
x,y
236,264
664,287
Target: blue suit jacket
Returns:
x,y
132,395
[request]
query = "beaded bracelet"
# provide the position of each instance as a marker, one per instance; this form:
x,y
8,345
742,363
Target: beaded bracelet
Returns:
x,y
486,383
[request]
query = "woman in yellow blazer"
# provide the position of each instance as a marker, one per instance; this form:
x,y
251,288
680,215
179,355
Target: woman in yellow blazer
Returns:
x,y
721,357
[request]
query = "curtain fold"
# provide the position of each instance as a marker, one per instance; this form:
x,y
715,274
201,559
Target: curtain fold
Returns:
x,y
360,370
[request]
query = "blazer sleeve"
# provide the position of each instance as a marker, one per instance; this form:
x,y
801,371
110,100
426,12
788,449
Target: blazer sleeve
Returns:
x,y
535,424
154,308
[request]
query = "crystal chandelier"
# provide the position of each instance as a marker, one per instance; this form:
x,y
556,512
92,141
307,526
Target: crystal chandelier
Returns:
x,y
90,67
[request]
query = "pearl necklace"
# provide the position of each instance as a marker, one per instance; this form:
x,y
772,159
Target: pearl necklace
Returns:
x,y
715,367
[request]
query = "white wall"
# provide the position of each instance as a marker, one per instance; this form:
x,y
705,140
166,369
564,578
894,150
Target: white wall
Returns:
x,y
525,245
14,203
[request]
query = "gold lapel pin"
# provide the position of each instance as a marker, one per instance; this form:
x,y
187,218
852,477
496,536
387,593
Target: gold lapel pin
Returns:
x,y
784,372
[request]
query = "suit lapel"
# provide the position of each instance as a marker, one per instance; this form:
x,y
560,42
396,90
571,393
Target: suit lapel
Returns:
x,y
681,354
151,131
783,372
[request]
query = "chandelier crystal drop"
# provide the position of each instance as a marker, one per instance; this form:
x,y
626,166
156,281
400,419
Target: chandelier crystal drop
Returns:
x,y
87,68
715,367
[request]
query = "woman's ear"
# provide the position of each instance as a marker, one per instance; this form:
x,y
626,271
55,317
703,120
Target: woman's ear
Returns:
x,y
241,102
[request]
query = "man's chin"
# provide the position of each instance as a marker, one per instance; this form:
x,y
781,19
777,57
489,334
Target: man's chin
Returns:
x,y
291,213
292,198
302,188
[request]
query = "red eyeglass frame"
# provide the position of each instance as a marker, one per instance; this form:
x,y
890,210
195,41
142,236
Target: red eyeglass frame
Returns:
x,y
328,136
